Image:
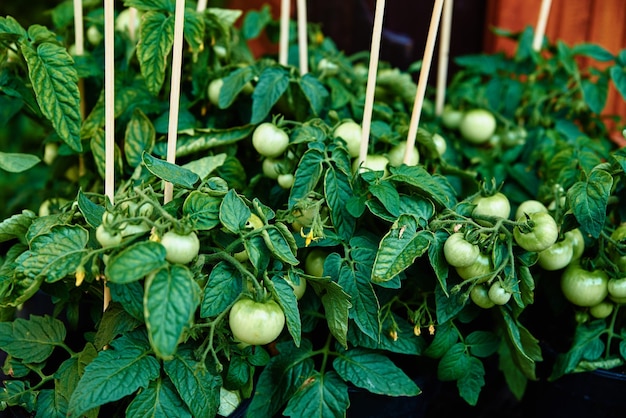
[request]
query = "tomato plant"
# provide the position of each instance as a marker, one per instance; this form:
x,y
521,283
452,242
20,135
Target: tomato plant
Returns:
x,y
256,323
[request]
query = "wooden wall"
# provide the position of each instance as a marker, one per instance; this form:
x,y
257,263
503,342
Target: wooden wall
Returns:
x,y
602,22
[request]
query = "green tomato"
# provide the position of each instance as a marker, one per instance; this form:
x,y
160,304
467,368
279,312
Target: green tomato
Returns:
x,y
180,249
480,268
327,67
619,235
94,36
617,287
271,167
583,287
107,238
314,262
396,155
477,126
480,296
498,294
440,144
530,206
372,162
496,205
214,89
575,237
256,323
556,256
351,133
601,310
135,229
285,180
269,140
123,21
451,118
542,234
459,252
298,289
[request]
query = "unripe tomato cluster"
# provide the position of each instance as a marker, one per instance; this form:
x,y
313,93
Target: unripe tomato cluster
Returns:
x,y
271,142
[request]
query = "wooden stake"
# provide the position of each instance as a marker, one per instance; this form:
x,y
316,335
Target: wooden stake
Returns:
x,y
177,64
132,28
540,29
201,6
371,79
109,113
423,79
283,44
444,56
302,37
79,30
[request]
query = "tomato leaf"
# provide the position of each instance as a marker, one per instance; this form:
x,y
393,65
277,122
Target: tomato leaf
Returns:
x,y
524,347
170,172
159,399
90,210
595,93
206,139
130,296
17,162
399,248
202,209
139,137
31,340
170,300
135,262
337,191
585,335
155,5
224,285
234,83
16,226
114,374
322,395
388,195
283,292
273,82
314,91
336,304
115,321
445,337
374,372
196,386
588,200
98,152
281,243
194,30
482,343
618,75
156,33
471,383
54,254
281,378
234,212
438,260
55,81
594,51
435,188
406,343
308,174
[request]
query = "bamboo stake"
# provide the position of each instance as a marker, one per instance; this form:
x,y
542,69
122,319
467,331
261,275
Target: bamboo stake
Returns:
x,y
201,6
177,63
444,56
283,45
423,79
132,28
109,113
371,79
79,43
540,29
302,37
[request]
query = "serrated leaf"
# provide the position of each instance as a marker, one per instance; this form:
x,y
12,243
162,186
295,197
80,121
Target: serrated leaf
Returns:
x,y
281,243
17,162
314,91
16,226
437,259
322,395
234,213
445,337
156,37
135,262
196,386
55,81
282,376
399,248
593,51
170,301
97,146
307,175
337,306
170,172
273,82
595,93
482,343
524,347
50,405
206,165
434,188
202,209
374,372
234,83
114,374
31,340
454,363
471,383
337,191
207,139
365,313
618,75
194,30
54,254
139,137
90,210
286,297
588,200
130,296
224,285
158,400
115,321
